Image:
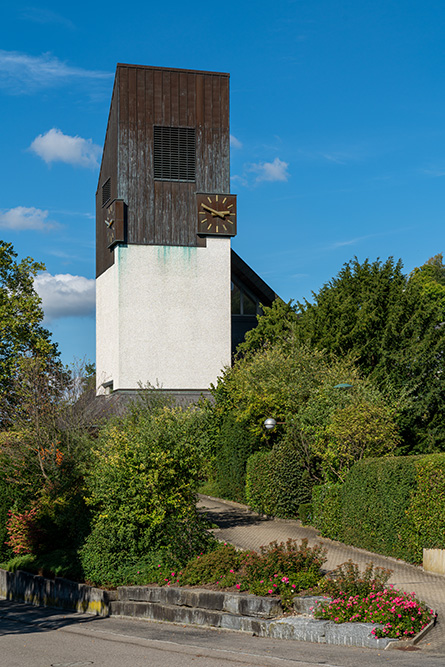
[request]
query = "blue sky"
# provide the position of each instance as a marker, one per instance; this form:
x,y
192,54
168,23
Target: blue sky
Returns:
x,y
337,122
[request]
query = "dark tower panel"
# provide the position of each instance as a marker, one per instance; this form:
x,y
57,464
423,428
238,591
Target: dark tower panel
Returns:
x,y
167,138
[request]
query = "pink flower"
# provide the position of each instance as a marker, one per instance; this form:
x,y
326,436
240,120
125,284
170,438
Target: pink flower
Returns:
x,y
270,591
238,586
231,571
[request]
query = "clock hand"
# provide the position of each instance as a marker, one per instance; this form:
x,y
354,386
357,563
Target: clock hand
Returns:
x,y
220,214
212,210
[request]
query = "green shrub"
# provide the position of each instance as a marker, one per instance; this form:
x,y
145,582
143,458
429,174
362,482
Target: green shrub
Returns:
x,y
211,567
234,445
279,569
277,481
327,511
260,490
393,506
347,580
426,511
375,499
58,563
141,488
305,513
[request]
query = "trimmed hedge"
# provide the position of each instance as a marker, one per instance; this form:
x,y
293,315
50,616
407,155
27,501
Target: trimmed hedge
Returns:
x,y
234,446
393,506
277,482
326,510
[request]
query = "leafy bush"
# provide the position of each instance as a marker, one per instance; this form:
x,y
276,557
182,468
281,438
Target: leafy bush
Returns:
x,y
260,491
279,569
347,580
212,567
277,481
58,563
141,487
24,536
234,445
305,513
326,510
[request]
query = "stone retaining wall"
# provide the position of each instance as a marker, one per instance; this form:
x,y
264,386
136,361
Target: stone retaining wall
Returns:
x,y
58,592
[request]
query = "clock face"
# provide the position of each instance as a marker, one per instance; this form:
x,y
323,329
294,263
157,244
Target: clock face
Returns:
x,y
114,221
216,214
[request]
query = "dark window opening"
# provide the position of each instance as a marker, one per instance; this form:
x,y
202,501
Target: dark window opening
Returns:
x,y
243,303
174,153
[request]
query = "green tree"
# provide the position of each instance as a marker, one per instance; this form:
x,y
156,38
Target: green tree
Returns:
x,y
274,327
21,331
391,324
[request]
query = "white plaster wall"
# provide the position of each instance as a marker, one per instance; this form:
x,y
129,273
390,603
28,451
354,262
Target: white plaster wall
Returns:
x,y
107,327
174,322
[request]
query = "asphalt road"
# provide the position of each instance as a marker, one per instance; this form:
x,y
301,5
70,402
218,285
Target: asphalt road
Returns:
x,y
42,637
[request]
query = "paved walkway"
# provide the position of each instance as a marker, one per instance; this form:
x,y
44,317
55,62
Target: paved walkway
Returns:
x,y
248,530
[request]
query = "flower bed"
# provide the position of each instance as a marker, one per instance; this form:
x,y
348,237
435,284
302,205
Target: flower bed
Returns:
x,y
401,615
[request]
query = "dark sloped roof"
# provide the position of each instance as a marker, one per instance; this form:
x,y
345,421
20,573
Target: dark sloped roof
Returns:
x,y
253,282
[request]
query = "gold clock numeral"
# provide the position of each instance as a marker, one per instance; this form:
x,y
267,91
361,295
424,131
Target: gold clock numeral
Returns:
x,y
229,205
209,226
210,201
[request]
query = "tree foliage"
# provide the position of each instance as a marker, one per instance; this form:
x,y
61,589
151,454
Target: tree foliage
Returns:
x,y
141,487
327,428
391,324
21,332
274,327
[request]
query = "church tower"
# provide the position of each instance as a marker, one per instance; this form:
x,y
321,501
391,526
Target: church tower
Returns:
x,y
165,273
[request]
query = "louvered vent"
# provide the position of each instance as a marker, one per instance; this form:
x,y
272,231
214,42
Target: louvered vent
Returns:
x,y
174,153
106,192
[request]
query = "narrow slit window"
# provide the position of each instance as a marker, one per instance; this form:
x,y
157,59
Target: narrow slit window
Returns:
x,y
106,192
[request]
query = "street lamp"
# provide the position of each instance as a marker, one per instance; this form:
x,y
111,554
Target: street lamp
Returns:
x,y
269,424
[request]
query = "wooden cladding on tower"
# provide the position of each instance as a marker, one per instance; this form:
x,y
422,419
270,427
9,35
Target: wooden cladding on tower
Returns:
x,y
167,138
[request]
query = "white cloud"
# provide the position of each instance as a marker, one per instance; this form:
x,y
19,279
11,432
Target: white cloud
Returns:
x,y
45,16
234,142
54,146
22,73
65,295
20,217
271,171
